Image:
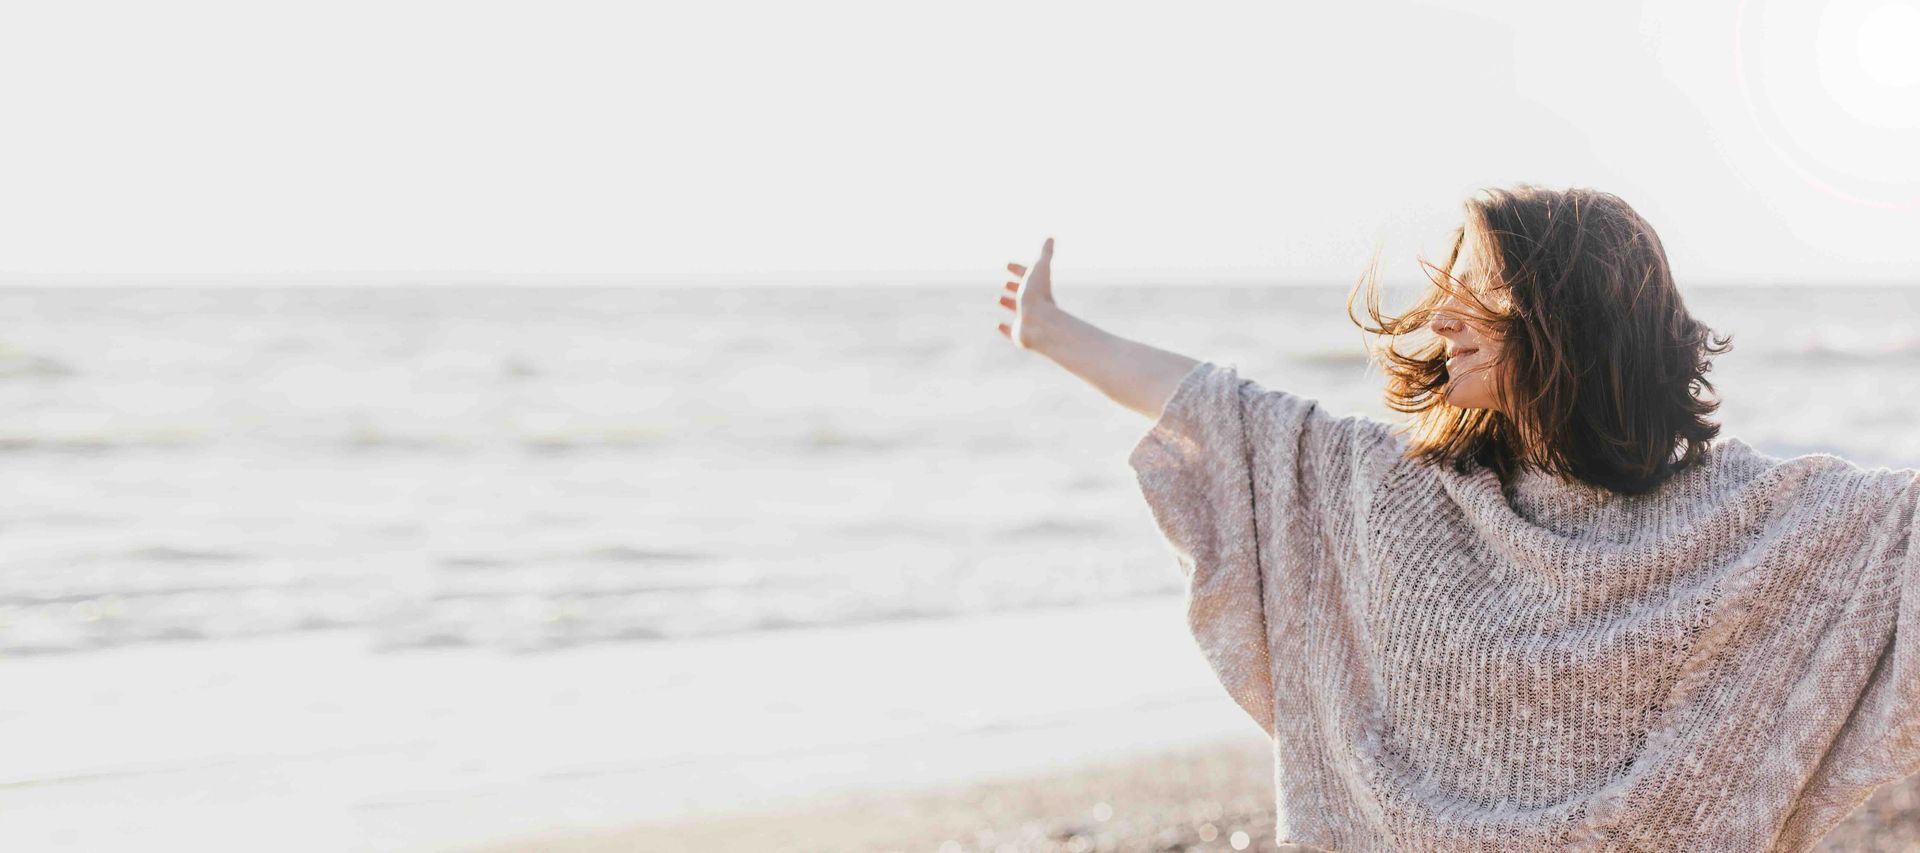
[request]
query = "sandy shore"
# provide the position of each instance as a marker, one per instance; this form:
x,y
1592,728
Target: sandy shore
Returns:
x,y
1214,796
430,749
1173,799
1001,731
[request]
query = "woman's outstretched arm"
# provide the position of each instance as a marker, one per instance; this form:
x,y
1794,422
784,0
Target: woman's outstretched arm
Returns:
x,y
1133,374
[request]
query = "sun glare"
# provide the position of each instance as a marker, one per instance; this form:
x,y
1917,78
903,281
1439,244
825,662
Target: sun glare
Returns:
x,y
1869,59
1889,45
1853,132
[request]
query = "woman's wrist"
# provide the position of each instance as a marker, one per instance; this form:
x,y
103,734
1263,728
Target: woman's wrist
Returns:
x,y
1047,328
1136,375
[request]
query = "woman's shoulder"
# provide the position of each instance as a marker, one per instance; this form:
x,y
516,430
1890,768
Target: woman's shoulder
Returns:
x,y
1740,458
1735,475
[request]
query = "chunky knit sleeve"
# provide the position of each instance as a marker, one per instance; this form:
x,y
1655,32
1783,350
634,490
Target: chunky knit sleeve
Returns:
x,y
1880,742
1248,484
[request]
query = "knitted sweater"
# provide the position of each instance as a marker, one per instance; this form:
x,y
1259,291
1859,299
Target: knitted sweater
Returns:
x,y
1447,662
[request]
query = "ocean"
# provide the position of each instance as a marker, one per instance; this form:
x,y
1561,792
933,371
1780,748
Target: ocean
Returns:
x,y
525,469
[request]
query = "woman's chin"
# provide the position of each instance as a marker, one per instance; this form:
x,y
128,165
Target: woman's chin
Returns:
x,y
1463,401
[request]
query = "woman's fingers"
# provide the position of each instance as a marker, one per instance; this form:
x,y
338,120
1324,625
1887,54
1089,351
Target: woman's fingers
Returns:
x,y
1038,282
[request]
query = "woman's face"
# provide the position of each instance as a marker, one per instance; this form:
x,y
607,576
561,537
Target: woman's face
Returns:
x,y
1469,346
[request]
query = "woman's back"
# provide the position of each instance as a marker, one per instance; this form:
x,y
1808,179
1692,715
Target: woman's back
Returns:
x,y
1448,661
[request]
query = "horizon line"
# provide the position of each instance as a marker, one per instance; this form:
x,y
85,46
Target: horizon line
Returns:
x,y
1122,277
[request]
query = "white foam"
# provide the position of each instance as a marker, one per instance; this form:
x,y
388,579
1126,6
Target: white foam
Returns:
x,y
313,743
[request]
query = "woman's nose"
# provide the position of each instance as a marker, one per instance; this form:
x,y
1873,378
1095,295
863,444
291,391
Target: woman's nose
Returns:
x,y
1443,322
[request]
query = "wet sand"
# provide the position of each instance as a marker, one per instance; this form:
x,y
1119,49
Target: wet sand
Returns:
x,y
430,749
1176,799
1216,796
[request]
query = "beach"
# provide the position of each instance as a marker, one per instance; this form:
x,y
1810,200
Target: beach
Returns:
x,y
627,426
1215,796
224,746
412,569
1181,799
1096,727
1212,797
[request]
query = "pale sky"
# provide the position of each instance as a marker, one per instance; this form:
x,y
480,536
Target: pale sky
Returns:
x,y
1274,141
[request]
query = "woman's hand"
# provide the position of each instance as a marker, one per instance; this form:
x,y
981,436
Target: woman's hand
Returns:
x,y
1131,373
1031,301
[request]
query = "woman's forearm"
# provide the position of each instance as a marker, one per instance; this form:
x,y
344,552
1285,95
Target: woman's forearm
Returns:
x,y
1133,374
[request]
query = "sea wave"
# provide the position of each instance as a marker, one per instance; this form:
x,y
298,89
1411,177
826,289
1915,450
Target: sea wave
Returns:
x,y
1334,358
478,619
1846,347
23,365
632,554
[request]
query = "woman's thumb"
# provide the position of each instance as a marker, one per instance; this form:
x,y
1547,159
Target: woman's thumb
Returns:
x,y
1046,251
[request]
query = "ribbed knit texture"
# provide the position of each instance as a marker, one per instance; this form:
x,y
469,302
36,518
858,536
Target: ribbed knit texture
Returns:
x,y
1444,662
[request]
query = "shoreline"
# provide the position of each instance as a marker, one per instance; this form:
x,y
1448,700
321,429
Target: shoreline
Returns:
x,y
429,749
1196,796
1216,796
1005,731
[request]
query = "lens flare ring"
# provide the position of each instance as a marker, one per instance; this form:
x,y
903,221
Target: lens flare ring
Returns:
x,y
1774,140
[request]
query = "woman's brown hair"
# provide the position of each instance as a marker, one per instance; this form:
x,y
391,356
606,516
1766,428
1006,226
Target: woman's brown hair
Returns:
x,y
1600,366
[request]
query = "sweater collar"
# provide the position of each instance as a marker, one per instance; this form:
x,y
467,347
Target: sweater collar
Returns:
x,y
1575,508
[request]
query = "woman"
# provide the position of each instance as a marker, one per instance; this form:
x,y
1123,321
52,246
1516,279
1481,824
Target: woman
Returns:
x,y
1551,611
